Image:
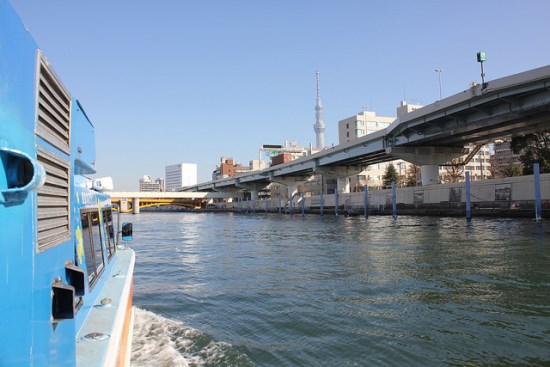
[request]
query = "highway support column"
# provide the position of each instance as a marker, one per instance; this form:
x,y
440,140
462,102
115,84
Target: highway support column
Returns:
x,y
428,158
429,174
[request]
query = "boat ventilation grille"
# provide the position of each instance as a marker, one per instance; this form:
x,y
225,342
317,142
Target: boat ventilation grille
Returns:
x,y
53,216
54,109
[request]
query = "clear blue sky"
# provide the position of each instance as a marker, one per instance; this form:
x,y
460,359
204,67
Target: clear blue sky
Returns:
x,y
176,81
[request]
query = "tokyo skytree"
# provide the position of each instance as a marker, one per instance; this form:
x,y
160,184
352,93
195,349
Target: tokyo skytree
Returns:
x,y
319,126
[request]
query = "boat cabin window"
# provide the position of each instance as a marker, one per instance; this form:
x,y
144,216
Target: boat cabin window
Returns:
x,y
109,232
93,249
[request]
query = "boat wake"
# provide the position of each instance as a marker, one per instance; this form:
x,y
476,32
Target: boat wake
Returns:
x,y
158,341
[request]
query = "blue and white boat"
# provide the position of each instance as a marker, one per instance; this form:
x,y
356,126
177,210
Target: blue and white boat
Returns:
x,y
65,281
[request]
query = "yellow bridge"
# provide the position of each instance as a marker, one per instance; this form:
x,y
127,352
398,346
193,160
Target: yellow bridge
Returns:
x,y
134,201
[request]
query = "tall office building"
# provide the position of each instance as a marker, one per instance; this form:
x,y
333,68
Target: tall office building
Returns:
x,y
180,175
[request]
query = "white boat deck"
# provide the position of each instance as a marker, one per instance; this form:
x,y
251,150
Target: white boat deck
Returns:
x,y
107,322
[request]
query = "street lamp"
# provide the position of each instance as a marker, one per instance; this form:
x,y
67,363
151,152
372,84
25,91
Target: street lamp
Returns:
x,y
439,71
481,58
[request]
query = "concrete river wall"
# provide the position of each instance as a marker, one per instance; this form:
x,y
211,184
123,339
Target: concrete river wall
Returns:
x,y
512,196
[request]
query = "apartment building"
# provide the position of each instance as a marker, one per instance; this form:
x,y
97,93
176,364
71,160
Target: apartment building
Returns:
x,y
229,168
360,125
146,184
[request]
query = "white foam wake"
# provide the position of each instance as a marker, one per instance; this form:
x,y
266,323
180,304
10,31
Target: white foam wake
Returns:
x,y
158,341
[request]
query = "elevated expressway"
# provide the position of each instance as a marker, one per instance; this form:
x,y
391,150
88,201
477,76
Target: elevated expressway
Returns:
x,y
429,136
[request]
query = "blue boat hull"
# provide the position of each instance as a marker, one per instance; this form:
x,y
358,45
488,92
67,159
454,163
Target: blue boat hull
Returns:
x,y
59,257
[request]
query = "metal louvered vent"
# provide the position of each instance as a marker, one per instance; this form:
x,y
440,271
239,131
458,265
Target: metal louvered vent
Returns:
x,y
53,216
53,124
54,109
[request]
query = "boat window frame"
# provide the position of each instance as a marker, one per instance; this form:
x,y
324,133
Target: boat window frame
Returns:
x,y
109,232
90,258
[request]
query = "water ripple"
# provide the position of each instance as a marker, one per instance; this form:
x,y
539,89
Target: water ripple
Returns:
x,y
280,291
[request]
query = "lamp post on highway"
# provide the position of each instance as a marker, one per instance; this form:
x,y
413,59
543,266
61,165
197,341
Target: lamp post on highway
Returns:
x,y
481,58
439,71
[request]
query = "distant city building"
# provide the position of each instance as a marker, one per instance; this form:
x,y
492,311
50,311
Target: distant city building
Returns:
x,y
289,151
257,164
506,163
160,181
146,184
503,152
281,158
228,168
360,125
373,176
180,175
479,166
405,108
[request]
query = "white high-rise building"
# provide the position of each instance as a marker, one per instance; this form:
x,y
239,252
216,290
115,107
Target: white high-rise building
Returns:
x,y
180,175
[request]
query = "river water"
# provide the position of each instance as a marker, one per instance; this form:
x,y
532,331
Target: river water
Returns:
x,y
275,290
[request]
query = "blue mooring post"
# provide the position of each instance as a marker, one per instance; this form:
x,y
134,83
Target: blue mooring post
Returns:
x,y
538,202
366,201
468,208
291,206
336,197
303,205
321,203
279,205
266,203
254,206
394,200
